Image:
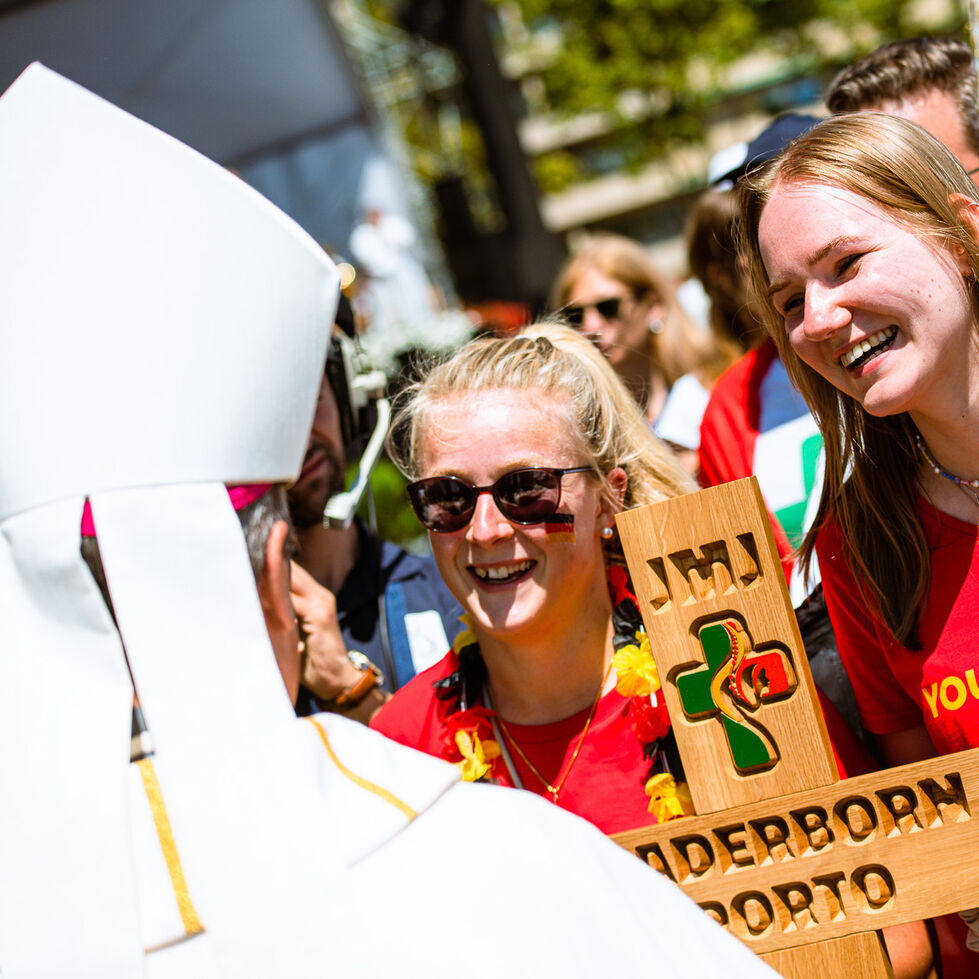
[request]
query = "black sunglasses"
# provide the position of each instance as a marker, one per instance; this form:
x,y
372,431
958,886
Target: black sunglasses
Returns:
x,y
608,309
445,504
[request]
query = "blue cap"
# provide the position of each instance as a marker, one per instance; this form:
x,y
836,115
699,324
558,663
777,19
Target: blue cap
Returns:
x,y
729,165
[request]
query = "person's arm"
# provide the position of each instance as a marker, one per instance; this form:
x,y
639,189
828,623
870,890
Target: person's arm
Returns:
x,y
886,708
904,747
878,694
327,670
910,950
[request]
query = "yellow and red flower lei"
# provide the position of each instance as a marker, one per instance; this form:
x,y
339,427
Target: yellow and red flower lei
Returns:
x,y
469,739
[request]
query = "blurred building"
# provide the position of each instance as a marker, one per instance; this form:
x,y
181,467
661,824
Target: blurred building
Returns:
x,y
265,87
514,181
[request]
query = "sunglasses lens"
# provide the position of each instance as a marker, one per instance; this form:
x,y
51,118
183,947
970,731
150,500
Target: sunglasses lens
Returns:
x,y
528,496
443,504
609,308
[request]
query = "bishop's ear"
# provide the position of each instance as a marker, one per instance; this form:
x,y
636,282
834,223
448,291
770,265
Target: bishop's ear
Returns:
x,y
273,585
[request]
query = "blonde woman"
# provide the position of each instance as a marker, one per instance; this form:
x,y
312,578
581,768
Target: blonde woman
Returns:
x,y
612,292
521,452
863,238
872,302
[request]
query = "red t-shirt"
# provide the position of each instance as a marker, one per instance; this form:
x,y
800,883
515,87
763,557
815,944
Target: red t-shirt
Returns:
x,y
606,783
729,430
899,688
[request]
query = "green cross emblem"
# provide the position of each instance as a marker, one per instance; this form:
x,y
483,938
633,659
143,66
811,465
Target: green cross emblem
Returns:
x,y
736,680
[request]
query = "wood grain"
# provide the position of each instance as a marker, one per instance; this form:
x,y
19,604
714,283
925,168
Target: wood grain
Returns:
x,y
855,957
804,868
866,853
699,560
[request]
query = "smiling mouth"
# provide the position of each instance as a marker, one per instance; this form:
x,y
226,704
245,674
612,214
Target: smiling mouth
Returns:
x,y
503,573
878,342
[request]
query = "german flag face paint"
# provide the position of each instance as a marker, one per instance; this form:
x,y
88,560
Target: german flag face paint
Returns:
x,y
560,527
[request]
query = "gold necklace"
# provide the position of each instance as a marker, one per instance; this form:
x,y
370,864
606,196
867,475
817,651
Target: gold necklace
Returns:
x,y
552,790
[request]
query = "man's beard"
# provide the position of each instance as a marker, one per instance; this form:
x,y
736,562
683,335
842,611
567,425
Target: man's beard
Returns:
x,y
307,501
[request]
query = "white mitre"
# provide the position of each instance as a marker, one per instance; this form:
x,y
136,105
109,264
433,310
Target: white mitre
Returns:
x,y
163,331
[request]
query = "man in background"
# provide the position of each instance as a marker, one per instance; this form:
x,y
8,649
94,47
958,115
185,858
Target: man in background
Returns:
x,y
373,614
930,81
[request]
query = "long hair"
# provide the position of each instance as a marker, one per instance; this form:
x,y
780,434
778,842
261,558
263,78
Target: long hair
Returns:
x,y
713,258
604,421
870,484
680,347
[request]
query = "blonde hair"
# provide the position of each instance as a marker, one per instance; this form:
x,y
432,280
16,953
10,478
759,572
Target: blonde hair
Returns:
x,y
870,482
680,347
604,421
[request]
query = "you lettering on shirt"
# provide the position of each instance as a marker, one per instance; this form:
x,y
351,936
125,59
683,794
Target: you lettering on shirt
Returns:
x,y
951,692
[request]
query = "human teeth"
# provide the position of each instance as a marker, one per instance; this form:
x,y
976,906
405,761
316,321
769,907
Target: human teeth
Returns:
x,y
501,572
866,345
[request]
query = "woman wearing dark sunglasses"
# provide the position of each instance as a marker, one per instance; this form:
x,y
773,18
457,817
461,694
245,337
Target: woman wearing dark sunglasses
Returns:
x,y
612,292
520,453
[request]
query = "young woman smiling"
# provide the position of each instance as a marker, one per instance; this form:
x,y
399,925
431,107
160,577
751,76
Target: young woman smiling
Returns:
x,y
863,239
864,236
522,450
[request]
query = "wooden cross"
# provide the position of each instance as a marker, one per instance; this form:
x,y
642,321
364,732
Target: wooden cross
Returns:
x,y
802,867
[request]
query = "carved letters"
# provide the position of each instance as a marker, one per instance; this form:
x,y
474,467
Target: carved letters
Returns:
x,y
784,854
692,577
815,865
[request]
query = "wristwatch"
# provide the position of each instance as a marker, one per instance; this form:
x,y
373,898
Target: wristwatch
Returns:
x,y
370,677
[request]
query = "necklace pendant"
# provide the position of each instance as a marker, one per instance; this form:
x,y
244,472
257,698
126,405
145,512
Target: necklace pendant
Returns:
x,y
552,792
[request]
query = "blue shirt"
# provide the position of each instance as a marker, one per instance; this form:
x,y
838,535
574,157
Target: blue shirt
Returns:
x,y
422,616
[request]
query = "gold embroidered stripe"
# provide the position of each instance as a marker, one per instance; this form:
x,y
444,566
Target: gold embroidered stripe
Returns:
x,y
188,915
357,780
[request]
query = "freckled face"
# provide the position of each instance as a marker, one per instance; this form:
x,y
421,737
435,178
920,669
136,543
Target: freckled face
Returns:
x,y
514,583
882,313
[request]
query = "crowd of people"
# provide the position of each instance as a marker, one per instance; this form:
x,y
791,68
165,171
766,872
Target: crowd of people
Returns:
x,y
841,260
531,693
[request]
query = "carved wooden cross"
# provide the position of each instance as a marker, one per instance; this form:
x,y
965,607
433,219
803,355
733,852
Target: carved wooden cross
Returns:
x,y
801,866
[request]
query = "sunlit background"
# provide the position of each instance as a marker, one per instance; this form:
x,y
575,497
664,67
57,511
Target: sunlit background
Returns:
x,y
450,151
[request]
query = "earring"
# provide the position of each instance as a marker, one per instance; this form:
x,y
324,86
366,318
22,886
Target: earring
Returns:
x,y
607,533
656,325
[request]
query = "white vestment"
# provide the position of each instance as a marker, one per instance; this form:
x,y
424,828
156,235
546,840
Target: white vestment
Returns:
x,y
476,881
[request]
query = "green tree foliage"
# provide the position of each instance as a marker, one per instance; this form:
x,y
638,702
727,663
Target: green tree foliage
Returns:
x,y
680,51
396,521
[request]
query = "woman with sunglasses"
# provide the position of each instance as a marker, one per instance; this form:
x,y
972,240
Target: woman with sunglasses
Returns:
x,y
612,292
521,452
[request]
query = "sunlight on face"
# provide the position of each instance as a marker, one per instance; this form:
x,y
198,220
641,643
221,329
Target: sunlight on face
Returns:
x,y
884,314
513,582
